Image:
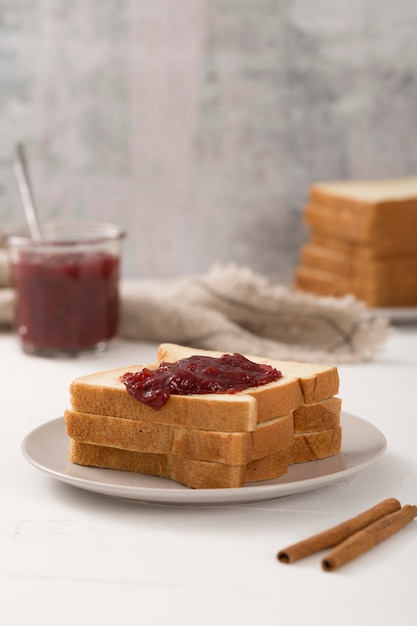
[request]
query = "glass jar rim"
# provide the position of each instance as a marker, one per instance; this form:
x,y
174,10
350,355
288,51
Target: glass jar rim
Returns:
x,y
66,233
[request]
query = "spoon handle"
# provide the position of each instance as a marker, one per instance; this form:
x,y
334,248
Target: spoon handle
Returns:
x,y
22,176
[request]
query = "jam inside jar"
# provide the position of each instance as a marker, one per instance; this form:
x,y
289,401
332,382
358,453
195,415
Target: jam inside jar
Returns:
x,y
67,289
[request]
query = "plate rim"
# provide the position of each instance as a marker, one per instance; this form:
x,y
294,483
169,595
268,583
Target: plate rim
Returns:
x,y
179,494
396,314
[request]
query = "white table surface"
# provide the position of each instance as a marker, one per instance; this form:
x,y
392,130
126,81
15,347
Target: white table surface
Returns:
x,y
69,556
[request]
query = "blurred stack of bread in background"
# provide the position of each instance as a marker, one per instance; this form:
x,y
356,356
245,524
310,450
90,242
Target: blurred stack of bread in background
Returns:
x,y
363,241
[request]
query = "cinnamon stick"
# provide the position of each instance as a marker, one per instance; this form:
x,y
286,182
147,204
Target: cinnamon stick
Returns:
x,y
368,537
333,536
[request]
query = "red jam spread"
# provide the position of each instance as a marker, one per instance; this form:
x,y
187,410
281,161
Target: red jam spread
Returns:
x,y
66,301
197,375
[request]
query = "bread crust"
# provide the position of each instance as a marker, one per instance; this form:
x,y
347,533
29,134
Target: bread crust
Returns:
x,y
383,272
220,447
327,283
312,446
189,472
361,252
360,196
393,235
318,416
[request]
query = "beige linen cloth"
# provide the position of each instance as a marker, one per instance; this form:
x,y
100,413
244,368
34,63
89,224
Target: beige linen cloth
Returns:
x,y
234,309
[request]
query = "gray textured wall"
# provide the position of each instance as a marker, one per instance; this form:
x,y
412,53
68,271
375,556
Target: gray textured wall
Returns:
x,y
199,124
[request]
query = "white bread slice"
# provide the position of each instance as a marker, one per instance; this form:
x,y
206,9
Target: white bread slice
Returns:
x,y
318,415
272,436
363,252
317,381
383,272
220,447
192,473
354,250
312,280
361,194
102,393
326,283
386,236
268,467
312,446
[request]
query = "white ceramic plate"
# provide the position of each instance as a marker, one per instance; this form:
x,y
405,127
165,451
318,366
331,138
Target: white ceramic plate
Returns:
x,y
46,448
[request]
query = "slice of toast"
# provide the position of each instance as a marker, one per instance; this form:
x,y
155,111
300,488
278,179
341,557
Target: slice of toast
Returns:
x,y
383,272
320,282
318,415
102,393
312,446
189,472
317,382
362,252
221,447
393,236
385,196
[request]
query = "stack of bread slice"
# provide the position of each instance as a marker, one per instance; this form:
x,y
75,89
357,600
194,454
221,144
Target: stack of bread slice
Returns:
x,y
211,440
363,241
317,432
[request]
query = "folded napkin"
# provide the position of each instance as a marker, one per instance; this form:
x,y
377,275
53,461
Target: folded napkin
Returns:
x,y
234,309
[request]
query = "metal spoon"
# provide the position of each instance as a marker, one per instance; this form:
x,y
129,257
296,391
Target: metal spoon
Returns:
x,y
23,180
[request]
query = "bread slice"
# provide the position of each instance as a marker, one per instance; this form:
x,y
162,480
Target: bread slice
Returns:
x,y
316,381
312,446
394,237
393,275
361,252
382,272
318,416
189,472
327,283
272,436
102,393
220,447
359,195
268,467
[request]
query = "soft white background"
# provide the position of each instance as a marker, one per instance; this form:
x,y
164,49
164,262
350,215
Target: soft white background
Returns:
x,y
199,124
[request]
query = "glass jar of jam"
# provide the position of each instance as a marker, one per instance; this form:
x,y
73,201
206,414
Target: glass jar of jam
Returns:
x,y
67,287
